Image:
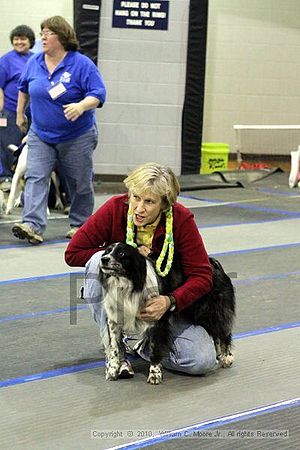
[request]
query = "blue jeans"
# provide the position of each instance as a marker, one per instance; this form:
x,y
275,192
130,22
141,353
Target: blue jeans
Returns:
x,y
193,350
9,135
76,163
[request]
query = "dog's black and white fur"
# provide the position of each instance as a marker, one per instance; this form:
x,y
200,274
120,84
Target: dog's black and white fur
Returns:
x,y
129,279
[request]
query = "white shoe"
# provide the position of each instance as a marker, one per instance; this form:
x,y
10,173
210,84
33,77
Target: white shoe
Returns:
x,y
24,231
71,232
294,173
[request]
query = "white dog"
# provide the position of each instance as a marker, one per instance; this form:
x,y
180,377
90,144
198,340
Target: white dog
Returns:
x,y
14,198
1,202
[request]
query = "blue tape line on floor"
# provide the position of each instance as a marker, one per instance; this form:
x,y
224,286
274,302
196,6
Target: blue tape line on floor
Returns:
x,y
254,250
81,367
216,254
40,278
26,244
43,313
51,374
212,423
250,222
236,282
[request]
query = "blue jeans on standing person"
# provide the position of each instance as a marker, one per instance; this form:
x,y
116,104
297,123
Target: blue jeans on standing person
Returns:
x,y
193,350
10,134
76,161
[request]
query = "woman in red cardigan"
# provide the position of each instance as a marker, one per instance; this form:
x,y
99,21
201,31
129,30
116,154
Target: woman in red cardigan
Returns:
x,y
148,215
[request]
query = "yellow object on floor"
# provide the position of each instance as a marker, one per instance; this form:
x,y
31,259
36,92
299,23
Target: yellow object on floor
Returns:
x,y
214,157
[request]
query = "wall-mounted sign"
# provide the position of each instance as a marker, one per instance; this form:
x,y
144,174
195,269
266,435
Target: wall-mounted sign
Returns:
x,y
150,15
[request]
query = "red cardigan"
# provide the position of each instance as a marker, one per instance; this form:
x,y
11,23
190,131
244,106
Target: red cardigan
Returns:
x,y
108,225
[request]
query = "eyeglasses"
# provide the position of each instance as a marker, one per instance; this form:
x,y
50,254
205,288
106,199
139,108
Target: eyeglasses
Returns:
x,y
46,33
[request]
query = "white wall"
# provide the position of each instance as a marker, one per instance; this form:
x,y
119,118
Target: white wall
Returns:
x,y
144,72
253,66
252,71
30,12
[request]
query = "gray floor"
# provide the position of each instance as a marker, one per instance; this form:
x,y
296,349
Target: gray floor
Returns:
x,y
53,392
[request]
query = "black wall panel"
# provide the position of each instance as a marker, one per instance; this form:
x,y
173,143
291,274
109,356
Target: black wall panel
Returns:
x,y
192,117
86,25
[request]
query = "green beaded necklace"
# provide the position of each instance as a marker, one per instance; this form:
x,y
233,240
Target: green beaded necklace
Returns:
x,y
168,243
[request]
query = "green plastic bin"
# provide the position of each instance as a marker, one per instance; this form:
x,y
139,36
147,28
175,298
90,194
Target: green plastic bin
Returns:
x,y
214,157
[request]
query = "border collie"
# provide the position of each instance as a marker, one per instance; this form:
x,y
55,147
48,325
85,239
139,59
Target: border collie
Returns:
x,y
128,279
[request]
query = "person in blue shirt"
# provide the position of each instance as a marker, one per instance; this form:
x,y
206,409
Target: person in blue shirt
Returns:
x,y
64,88
11,66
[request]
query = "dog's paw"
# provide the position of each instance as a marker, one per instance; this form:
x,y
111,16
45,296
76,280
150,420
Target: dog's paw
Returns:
x,y
111,373
226,360
59,205
155,374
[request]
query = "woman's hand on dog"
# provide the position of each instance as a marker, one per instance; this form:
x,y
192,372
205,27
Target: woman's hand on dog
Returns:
x,y
155,308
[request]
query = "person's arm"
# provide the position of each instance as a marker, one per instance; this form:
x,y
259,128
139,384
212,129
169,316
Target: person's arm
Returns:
x,y
105,226
192,256
93,89
22,121
194,262
92,237
3,81
1,100
74,110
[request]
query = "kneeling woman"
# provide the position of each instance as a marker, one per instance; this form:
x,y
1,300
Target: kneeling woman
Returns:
x,y
149,216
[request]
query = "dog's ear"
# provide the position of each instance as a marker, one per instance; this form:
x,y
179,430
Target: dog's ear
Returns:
x,y
139,270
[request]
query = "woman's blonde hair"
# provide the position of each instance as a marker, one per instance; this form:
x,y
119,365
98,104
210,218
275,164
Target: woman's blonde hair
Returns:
x,y
158,179
66,34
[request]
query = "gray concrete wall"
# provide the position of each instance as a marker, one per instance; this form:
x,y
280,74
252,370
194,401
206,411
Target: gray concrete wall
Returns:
x,y
252,75
144,71
252,69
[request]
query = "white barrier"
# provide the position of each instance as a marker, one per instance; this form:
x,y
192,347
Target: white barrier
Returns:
x,y
274,140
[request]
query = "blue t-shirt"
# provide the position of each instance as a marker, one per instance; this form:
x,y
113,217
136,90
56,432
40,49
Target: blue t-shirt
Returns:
x,y
11,67
80,78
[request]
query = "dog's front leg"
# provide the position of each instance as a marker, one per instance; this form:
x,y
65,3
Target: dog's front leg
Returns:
x,y
113,351
14,198
1,202
155,370
56,182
